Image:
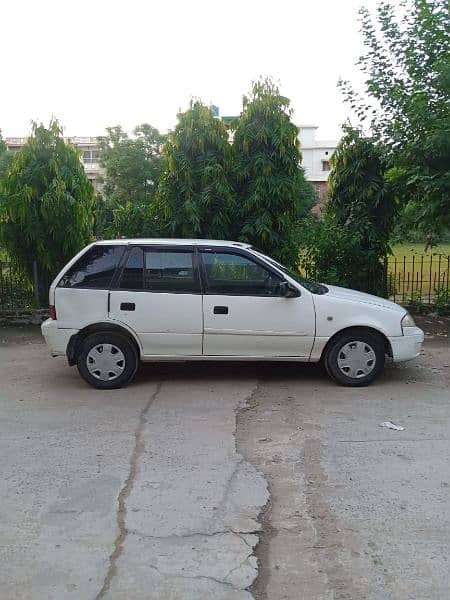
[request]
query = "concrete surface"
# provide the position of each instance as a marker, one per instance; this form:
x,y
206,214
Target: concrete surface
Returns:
x,y
357,511
135,493
155,491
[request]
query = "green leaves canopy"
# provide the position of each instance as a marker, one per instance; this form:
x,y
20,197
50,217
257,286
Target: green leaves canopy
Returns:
x,y
349,246
46,203
196,193
407,69
270,181
132,165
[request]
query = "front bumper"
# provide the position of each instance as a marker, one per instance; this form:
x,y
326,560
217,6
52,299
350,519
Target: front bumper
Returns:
x,y
56,338
407,346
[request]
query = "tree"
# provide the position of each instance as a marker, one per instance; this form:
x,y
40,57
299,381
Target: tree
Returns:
x,y
46,203
350,245
271,185
195,194
132,165
407,69
5,156
132,220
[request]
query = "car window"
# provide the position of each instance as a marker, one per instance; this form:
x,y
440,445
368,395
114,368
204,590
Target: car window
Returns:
x,y
158,270
228,273
133,273
95,269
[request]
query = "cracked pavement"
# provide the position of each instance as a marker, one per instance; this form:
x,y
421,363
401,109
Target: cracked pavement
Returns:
x,y
134,493
160,491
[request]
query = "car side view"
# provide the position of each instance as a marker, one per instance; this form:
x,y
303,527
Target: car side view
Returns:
x,y
120,302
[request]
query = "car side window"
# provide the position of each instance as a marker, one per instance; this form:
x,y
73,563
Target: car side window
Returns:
x,y
234,274
160,270
133,273
95,269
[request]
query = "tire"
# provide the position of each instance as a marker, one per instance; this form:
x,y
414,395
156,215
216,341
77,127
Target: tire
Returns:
x,y
355,358
107,360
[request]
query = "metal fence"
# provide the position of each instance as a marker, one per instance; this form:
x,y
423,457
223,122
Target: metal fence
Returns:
x,y
423,278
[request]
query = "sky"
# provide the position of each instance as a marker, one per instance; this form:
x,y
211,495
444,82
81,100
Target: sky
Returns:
x,y
99,63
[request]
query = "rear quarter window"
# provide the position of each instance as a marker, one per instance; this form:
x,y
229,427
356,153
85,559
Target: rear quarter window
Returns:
x,y
95,269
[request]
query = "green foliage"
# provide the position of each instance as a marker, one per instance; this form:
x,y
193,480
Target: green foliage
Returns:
x,y
195,194
349,245
46,203
133,220
271,186
132,165
407,69
5,157
442,300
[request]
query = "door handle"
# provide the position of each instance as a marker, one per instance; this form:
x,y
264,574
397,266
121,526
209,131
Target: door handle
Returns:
x,y
127,306
221,310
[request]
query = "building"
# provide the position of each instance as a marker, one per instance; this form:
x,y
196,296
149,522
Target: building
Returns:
x,y
88,146
316,156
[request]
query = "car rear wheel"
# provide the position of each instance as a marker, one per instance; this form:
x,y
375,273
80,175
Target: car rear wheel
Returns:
x,y
107,360
355,358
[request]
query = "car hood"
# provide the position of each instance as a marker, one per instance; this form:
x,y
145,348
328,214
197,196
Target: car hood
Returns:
x,y
354,296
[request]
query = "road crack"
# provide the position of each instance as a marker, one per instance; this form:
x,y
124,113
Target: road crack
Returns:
x,y
124,494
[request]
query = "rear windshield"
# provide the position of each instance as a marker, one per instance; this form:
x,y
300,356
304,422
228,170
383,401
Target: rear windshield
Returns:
x,y
95,269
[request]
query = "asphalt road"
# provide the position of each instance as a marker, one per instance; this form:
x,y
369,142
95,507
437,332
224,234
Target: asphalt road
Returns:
x,y
220,481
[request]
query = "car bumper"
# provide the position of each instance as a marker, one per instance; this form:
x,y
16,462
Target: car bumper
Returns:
x,y
407,346
55,337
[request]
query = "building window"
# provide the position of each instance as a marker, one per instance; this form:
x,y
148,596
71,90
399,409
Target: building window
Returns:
x,y
325,165
90,156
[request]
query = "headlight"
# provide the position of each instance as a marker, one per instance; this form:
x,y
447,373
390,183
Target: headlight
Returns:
x,y
408,321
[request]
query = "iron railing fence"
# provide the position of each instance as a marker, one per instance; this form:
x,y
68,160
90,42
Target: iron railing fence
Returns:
x,y
423,278
413,279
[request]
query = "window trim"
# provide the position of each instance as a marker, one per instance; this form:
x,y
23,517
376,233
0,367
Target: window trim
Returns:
x,y
165,248
236,252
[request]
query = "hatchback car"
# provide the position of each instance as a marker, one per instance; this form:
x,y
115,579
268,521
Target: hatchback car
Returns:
x,y
120,302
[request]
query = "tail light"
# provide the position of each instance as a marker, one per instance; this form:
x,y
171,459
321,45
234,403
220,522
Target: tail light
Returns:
x,y
52,312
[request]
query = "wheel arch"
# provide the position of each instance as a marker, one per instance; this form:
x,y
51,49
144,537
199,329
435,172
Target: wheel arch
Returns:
x,y
74,345
358,329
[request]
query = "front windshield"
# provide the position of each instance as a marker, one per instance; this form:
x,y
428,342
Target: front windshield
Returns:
x,y
312,286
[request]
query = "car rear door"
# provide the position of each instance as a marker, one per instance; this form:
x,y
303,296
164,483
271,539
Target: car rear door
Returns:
x,y
245,313
158,296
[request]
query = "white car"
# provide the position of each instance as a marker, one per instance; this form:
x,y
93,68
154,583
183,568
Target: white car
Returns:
x,y
120,302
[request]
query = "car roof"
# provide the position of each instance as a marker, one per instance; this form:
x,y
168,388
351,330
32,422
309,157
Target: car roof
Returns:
x,y
176,242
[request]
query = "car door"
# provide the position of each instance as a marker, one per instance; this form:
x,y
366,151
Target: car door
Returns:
x,y
244,312
158,296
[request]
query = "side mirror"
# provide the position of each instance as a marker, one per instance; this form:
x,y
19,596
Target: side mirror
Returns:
x,y
288,290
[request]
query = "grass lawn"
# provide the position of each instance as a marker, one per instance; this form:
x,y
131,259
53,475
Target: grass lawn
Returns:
x,y
401,250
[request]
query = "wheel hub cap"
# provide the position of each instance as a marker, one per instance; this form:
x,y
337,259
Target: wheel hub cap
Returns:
x,y
105,362
356,359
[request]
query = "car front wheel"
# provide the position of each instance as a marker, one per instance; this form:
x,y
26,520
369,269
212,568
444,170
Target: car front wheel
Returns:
x,y
355,358
107,360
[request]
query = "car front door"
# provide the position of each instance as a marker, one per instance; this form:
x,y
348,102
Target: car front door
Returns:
x,y
245,313
158,296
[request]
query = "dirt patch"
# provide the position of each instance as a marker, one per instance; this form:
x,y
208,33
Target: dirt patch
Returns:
x,y
435,327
